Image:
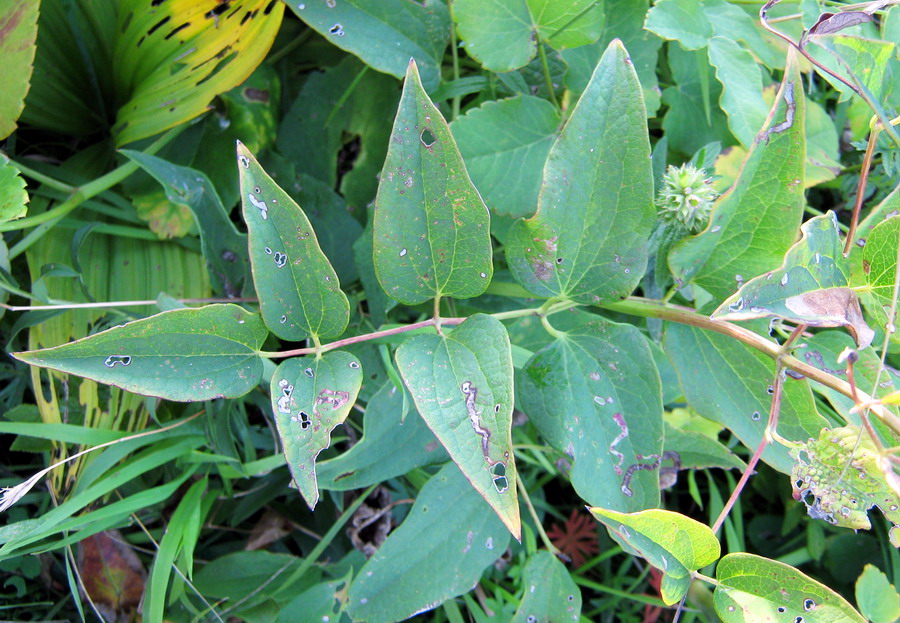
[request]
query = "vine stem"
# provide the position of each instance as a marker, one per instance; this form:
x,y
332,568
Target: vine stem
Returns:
x,y
523,491
547,78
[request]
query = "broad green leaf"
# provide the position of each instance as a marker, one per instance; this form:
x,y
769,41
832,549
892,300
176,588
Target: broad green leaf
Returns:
x,y
729,383
432,230
13,196
188,355
752,587
810,287
674,544
880,260
18,34
497,33
462,385
299,293
595,210
869,59
174,57
594,394
224,248
505,144
839,477
886,209
439,551
567,23
384,34
310,397
876,596
755,222
321,602
822,146
697,451
375,457
377,300
682,20
550,592
742,88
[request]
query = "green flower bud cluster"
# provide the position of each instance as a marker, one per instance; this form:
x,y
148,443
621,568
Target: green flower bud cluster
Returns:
x,y
686,198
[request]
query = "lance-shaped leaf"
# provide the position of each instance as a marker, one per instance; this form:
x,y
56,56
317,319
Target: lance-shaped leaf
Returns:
x,y
462,385
595,209
438,552
185,354
755,222
839,477
595,394
18,32
310,397
809,288
674,544
550,592
432,230
299,292
751,585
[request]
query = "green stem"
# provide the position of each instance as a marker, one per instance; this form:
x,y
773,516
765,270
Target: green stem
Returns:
x,y
523,492
547,77
48,181
705,578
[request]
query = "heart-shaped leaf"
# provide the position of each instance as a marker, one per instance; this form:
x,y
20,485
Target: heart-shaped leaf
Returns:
x,y
674,544
587,240
462,385
299,292
432,230
749,585
186,354
310,397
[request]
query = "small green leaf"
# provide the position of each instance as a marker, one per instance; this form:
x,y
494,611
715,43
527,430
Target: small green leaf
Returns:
x,y
299,293
462,385
880,260
750,585
497,33
727,382
755,222
682,20
588,238
438,552
13,196
810,287
697,451
432,230
876,596
550,592
594,394
839,478
310,397
674,544
742,88
384,34
186,355
18,35
567,23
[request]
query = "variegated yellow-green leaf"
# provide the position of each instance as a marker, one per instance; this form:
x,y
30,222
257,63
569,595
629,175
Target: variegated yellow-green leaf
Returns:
x,y
432,230
18,32
174,57
310,397
299,293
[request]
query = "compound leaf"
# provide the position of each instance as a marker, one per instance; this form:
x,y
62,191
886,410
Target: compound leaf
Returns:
x,y
462,385
310,397
299,292
187,355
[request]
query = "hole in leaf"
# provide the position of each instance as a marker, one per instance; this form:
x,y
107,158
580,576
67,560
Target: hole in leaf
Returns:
x,y
428,139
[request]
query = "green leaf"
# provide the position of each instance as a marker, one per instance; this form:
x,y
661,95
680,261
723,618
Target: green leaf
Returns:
x,y
550,592
13,195
597,181
750,585
505,144
496,33
432,230
839,477
462,385
810,287
299,293
729,383
18,34
742,88
310,397
697,451
682,20
567,23
755,222
880,253
224,248
438,552
674,544
384,34
172,60
375,458
187,355
876,596
594,394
